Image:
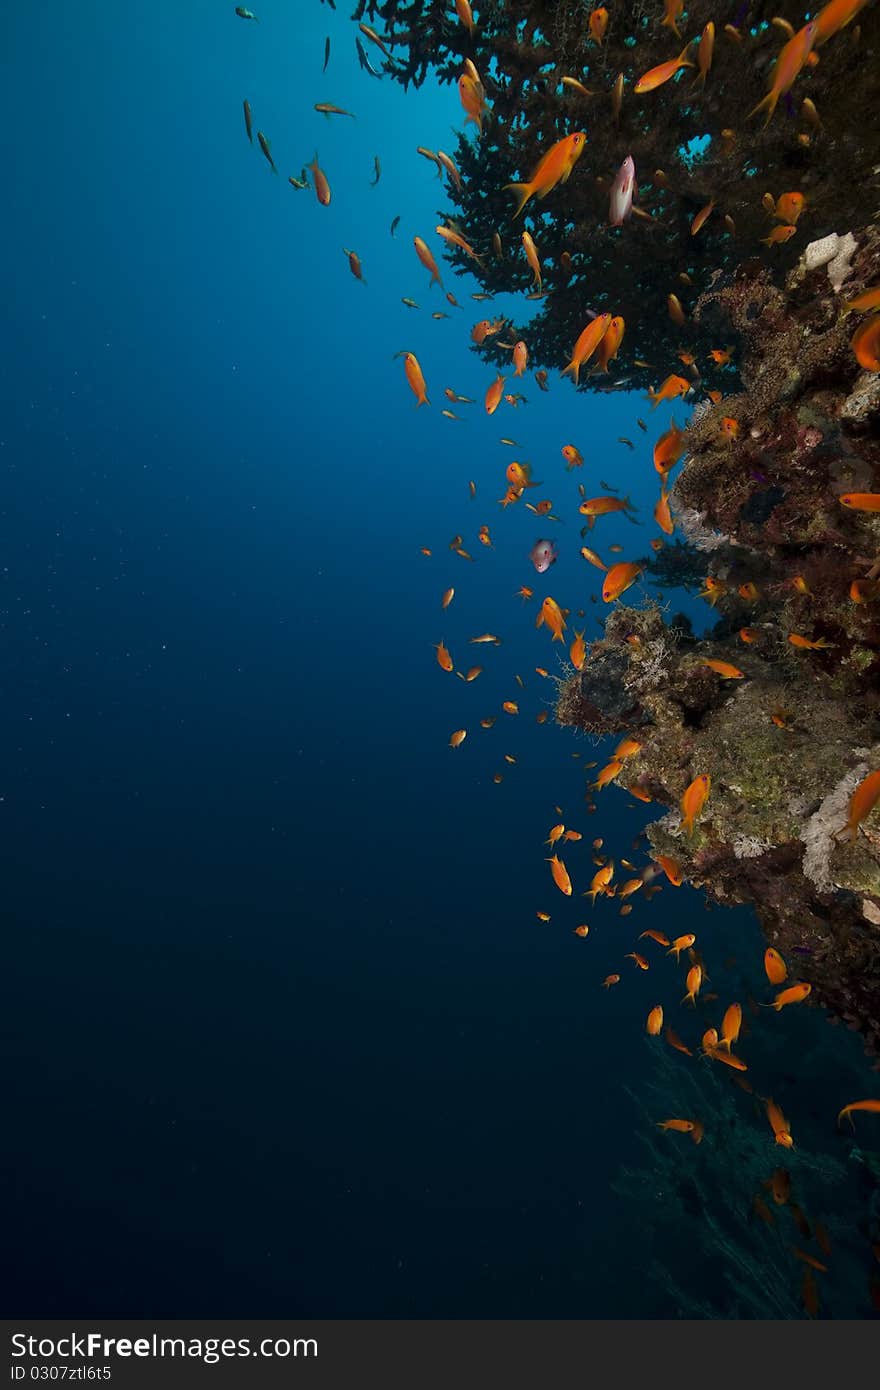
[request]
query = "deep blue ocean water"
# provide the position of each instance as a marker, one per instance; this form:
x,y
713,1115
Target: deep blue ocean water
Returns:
x,y
283,1033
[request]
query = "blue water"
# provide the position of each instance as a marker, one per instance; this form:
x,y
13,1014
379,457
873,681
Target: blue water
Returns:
x,y
284,1034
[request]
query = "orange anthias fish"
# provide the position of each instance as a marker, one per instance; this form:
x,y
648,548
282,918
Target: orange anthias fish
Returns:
x,y
868,299
871,1106
723,669
656,77
610,772
807,644
673,386
600,881
601,506
425,255
610,980
573,457
322,187
672,869
674,10
779,235
618,579
702,217
779,1125
861,501
560,875
444,659
609,345
866,345
578,651
494,394
862,802
704,54
668,449
789,207
551,615
473,99
694,800
654,1024
774,966
598,24
555,167
415,378
662,514
458,738
787,66
793,995
586,345
679,1126
730,1026
483,330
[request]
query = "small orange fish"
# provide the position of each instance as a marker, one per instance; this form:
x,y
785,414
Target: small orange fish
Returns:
x,y
609,345
586,345
610,772
554,167
713,590
779,1125
679,1126
610,980
543,916
582,930
627,748
673,386
600,882
730,1026
656,77
865,344
533,259
662,514
510,707
668,449
573,457
718,1055
551,615
424,254
862,802
861,501
578,651
560,875
871,1107
458,738
774,966
723,669
701,218
598,24
415,378
322,187
693,801
671,868
805,644
494,394
779,235
729,429
444,660
654,1024
639,960
789,207
619,578
786,68
793,995
749,634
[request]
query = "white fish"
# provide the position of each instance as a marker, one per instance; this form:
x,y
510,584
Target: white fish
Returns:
x,y
542,555
622,191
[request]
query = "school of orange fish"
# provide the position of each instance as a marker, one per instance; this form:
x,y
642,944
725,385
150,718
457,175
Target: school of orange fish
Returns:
x,y
596,347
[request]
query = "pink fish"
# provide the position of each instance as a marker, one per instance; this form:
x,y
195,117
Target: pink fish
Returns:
x,y
543,555
622,192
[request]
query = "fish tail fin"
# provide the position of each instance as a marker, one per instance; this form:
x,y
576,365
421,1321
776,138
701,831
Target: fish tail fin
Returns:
x,y
523,192
769,101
